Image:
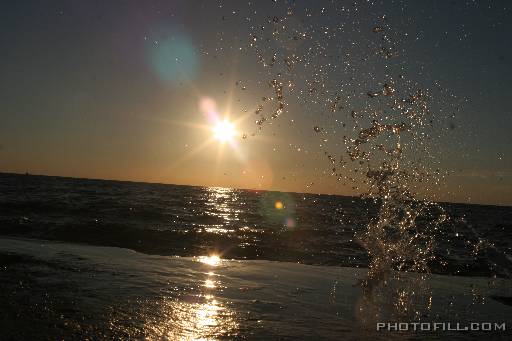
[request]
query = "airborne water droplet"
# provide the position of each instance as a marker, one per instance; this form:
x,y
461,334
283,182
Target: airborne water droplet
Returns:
x,y
388,90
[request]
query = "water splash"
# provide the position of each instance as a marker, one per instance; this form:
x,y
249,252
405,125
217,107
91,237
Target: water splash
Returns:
x,y
379,126
387,150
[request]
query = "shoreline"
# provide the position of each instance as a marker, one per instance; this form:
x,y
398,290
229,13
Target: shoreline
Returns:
x,y
77,281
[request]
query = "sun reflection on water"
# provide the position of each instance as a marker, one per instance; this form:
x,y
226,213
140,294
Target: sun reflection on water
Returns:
x,y
221,210
199,316
212,260
181,320
209,283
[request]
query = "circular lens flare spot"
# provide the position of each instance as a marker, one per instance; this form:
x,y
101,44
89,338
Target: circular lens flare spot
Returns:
x,y
224,131
279,205
290,222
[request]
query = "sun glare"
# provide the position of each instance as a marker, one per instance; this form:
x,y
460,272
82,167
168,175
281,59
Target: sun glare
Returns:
x,y
212,260
224,131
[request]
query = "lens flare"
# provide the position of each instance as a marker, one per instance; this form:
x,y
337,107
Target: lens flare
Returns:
x,y
174,58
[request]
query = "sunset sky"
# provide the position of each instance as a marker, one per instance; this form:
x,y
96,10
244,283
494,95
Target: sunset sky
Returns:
x,y
133,90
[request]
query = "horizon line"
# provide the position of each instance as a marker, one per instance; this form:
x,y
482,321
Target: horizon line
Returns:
x,y
236,188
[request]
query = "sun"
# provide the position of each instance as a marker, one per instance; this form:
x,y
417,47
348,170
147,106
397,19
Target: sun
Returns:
x,y
224,131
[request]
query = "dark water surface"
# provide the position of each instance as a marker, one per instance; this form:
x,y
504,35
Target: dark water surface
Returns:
x,y
241,224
